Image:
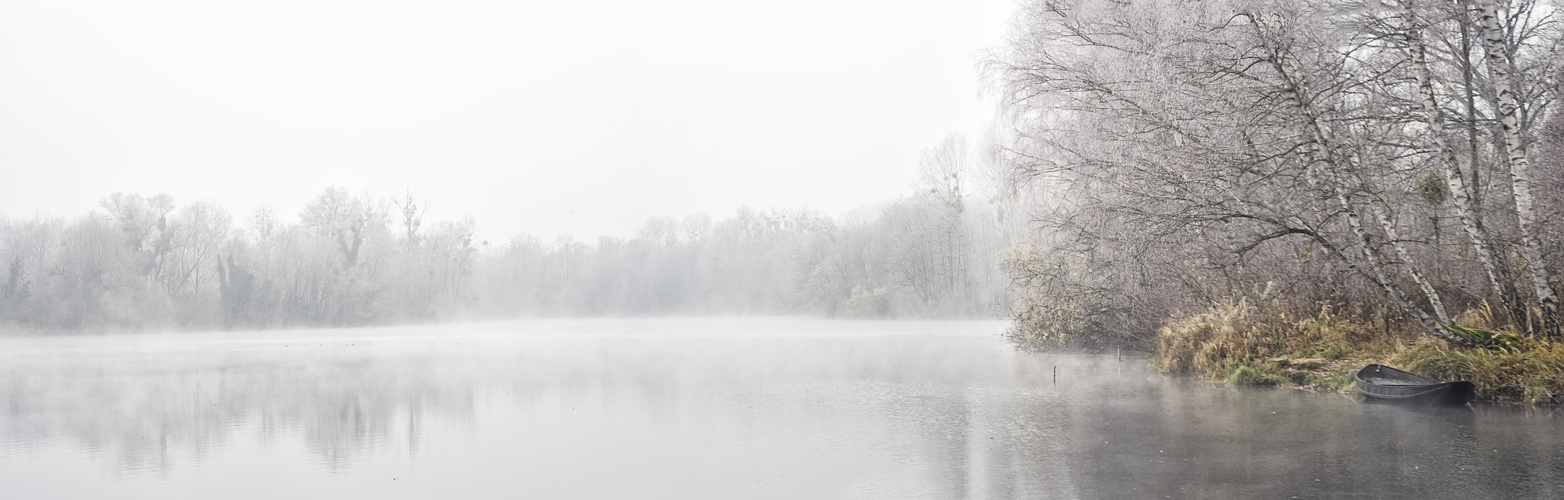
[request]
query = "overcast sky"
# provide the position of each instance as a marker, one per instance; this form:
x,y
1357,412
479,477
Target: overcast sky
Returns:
x,y
541,117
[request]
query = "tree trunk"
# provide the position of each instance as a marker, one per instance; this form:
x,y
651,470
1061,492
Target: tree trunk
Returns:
x,y
1319,132
1471,220
1520,177
1381,212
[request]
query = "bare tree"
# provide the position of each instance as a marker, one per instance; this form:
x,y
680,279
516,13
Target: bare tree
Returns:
x,y
1212,145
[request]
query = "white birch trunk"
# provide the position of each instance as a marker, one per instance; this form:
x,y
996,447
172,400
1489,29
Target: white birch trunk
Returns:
x,y
1316,128
1460,193
1520,177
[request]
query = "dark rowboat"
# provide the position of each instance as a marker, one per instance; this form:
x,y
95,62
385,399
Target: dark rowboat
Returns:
x,y
1386,383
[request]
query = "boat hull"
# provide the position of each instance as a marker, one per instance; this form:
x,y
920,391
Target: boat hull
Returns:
x,y
1389,384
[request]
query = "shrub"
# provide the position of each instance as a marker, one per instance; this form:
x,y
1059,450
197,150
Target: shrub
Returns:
x,y
1238,342
1533,374
1068,305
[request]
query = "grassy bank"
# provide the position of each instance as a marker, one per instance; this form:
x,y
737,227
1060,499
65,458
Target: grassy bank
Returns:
x,y
1269,343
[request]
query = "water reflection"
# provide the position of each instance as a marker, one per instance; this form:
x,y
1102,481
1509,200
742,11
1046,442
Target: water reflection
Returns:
x,y
708,408
153,410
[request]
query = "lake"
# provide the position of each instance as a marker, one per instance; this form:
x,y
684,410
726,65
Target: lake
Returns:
x,y
707,408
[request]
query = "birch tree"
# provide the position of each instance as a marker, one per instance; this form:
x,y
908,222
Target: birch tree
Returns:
x,y
1505,89
1214,145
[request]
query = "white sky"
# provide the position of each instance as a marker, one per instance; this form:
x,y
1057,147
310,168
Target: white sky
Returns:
x,y
549,118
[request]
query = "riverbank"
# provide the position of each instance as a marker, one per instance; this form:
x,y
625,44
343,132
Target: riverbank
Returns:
x,y
1242,342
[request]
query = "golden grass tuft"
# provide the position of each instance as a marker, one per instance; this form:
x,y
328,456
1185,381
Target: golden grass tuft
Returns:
x,y
1530,375
1237,342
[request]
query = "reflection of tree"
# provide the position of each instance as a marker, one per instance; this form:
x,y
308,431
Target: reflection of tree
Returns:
x,y
944,417
1107,431
1182,438
153,411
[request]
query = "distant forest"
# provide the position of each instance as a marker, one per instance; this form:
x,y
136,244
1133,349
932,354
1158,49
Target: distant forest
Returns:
x,y
142,262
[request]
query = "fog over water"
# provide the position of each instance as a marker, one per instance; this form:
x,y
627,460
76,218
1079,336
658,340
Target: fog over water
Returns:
x,y
810,249
705,408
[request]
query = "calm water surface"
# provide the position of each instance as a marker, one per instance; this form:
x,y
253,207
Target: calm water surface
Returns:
x,y
706,408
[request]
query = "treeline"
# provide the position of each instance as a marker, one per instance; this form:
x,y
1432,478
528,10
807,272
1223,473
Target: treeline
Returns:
x,y
1400,159
145,262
